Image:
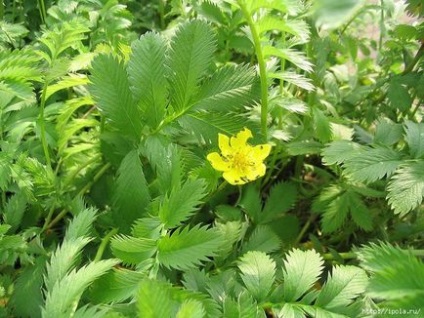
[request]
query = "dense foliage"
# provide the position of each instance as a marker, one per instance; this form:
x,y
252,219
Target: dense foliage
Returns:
x,y
233,158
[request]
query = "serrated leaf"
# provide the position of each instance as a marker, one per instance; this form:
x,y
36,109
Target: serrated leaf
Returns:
x,y
396,273
399,96
414,137
387,133
62,298
258,274
154,299
132,250
147,71
263,239
281,199
181,203
298,58
190,53
251,202
63,259
81,224
187,247
343,285
301,271
322,126
339,151
29,282
117,286
296,79
205,126
229,89
406,187
111,89
131,194
372,164
191,308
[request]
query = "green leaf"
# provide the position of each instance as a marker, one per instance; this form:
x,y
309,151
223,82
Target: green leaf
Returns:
x,y
186,247
263,239
331,14
111,90
322,125
131,194
81,224
372,164
146,70
301,271
63,259
229,89
396,274
343,285
298,58
62,298
293,78
281,199
154,299
132,250
117,285
190,54
398,96
181,203
415,138
258,274
339,151
191,308
388,133
29,282
251,202
14,210
205,126
406,187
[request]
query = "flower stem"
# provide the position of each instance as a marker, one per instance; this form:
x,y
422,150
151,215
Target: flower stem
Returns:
x,y
262,67
42,124
103,244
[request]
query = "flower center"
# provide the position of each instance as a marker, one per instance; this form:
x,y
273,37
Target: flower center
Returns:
x,y
241,161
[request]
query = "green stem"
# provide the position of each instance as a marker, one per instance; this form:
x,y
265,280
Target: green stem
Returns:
x,y
43,125
348,255
99,174
103,244
262,68
42,9
305,228
78,170
162,14
1,9
414,62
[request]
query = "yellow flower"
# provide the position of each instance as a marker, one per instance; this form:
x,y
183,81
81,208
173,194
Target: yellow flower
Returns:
x,y
239,161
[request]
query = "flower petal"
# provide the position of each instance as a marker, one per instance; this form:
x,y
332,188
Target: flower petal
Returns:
x,y
217,162
234,177
260,152
224,144
256,172
240,140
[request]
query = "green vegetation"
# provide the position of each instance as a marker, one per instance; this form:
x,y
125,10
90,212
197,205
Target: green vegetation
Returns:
x,y
214,158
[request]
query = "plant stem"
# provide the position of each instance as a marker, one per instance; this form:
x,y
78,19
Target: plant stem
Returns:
x,y
103,244
43,125
305,228
42,9
162,14
262,68
48,224
414,62
348,255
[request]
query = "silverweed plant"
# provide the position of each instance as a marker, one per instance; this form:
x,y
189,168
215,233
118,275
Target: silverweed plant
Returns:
x,y
194,159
